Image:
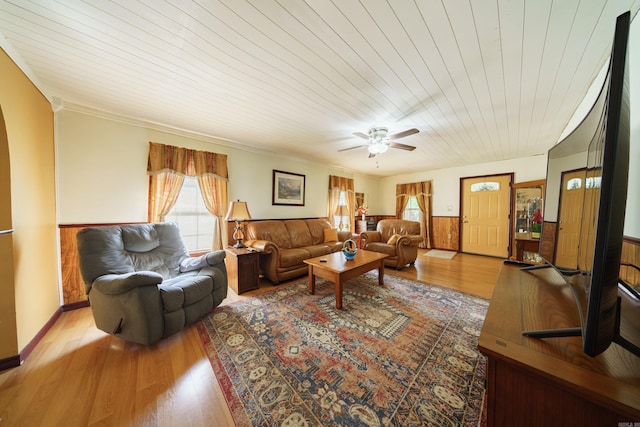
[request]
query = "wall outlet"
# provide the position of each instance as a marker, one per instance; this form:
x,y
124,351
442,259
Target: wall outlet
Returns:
x,y
449,236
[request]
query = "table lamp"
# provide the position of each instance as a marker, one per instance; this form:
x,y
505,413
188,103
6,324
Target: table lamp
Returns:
x,y
237,212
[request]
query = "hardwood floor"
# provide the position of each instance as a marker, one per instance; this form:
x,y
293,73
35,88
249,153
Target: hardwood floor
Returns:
x,y
79,376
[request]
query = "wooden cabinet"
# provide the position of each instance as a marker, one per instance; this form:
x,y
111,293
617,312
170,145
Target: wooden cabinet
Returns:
x,y
242,269
551,381
526,214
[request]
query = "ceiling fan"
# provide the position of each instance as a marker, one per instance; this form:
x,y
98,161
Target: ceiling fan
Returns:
x,y
379,141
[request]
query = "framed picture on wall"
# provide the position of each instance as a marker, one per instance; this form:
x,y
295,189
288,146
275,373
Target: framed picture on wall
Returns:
x,y
288,188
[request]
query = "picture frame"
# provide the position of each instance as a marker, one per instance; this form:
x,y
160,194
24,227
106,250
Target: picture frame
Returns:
x,y
288,188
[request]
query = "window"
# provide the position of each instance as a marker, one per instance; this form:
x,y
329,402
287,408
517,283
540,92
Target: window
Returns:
x,y
412,211
593,182
485,186
574,184
196,222
341,216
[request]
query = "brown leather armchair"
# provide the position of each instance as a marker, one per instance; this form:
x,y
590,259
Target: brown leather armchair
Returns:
x,y
397,238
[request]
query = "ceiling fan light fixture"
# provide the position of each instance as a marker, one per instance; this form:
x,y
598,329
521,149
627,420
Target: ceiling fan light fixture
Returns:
x,y
377,147
379,140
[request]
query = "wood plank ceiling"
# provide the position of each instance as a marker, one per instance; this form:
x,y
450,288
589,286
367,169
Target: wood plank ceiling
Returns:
x,y
482,80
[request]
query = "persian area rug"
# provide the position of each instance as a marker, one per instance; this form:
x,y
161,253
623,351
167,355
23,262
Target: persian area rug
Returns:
x,y
437,253
402,355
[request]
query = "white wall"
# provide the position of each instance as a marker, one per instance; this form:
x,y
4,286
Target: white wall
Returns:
x,y
91,148
102,172
445,183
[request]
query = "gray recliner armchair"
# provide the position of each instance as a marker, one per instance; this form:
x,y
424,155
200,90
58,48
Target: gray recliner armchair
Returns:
x,y
141,282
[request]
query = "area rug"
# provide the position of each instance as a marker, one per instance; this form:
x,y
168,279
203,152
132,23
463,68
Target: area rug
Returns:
x,y
402,355
437,253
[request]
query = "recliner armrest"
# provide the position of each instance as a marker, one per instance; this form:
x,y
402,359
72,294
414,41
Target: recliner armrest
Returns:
x,y
115,284
207,260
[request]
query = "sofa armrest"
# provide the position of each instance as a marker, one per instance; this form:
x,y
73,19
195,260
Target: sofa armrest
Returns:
x,y
207,260
343,236
270,261
371,236
265,246
115,284
409,240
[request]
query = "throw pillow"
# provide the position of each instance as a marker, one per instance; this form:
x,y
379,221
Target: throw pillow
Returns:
x,y
330,235
393,239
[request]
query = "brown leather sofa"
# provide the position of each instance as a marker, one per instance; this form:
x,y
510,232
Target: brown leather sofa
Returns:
x,y
397,238
285,244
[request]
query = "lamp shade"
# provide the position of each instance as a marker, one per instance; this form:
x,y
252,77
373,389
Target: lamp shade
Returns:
x,y
238,211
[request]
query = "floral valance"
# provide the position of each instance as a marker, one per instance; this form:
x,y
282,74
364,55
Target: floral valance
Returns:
x,y
341,183
185,161
414,189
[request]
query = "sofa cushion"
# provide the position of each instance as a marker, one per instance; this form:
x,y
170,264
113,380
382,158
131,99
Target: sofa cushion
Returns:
x,y
382,248
389,227
316,228
273,231
393,239
298,233
330,235
334,246
318,250
293,257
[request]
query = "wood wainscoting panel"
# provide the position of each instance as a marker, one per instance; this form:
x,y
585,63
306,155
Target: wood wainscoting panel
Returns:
x,y
548,240
630,255
445,232
72,284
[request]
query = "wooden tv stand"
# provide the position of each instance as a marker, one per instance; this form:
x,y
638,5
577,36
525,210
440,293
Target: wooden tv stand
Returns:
x,y
550,382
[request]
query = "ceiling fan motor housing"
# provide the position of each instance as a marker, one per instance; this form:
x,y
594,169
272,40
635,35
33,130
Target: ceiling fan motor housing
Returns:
x,y
378,134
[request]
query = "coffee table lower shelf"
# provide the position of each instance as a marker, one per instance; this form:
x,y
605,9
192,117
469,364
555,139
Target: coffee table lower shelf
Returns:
x,y
337,269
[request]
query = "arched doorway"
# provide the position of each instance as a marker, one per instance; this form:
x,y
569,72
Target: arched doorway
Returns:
x,y
8,332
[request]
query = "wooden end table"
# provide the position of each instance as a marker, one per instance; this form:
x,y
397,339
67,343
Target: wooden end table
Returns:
x,y
243,269
337,269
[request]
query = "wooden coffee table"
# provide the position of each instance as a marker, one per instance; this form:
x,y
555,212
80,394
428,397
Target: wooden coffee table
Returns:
x,y
337,269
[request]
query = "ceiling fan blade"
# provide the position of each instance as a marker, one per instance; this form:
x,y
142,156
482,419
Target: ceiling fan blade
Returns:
x,y
401,146
361,135
351,148
372,155
403,134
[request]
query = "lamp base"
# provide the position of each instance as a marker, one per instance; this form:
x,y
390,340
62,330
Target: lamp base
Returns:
x,y
238,235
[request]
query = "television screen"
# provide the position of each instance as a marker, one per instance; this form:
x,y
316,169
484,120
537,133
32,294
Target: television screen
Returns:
x,y
602,229
593,162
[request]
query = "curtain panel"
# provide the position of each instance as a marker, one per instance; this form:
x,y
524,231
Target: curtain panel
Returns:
x,y
168,165
337,184
422,192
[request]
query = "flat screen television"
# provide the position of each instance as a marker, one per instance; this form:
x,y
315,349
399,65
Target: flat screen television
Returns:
x,y
605,133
